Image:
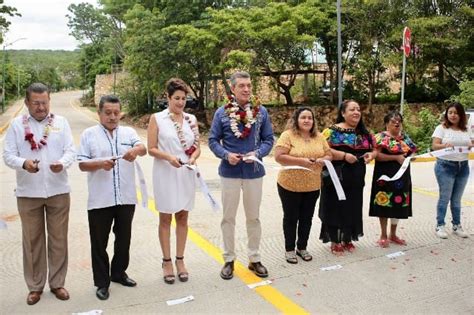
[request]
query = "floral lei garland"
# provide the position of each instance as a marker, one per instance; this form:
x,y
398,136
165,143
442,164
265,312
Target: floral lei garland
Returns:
x,y
30,137
247,117
189,151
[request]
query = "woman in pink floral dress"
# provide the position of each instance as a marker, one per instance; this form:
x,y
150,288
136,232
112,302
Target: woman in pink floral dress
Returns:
x,y
391,199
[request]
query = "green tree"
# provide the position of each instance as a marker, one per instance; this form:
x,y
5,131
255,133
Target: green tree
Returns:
x,y
6,11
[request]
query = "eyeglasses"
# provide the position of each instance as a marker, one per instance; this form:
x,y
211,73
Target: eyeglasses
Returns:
x,y
395,121
38,103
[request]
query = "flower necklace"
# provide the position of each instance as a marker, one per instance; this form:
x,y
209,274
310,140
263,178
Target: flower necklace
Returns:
x,y
189,151
247,117
30,137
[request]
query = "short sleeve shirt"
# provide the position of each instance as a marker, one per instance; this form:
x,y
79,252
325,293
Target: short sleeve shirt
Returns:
x,y
117,186
302,180
454,137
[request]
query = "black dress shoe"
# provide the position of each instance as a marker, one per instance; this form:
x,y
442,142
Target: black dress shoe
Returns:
x,y
102,293
125,280
227,271
258,269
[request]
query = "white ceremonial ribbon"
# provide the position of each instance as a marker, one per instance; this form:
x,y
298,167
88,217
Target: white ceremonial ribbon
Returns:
x,y
253,158
204,189
437,153
288,167
446,151
141,176
259,284
142,184
399,173
292,167
337,184
180,301
332,173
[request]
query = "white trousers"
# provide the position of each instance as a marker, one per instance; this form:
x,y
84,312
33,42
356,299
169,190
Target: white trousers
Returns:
x,y
252,196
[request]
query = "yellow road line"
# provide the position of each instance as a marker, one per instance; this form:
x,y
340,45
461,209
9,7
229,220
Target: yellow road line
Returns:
x,y
4,127
465,203
269,293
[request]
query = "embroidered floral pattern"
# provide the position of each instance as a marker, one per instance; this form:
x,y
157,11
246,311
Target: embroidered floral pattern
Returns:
x,y
398,184
381,182
179,130
407,200
337,136
30,137
247,116
383,199
398,199
395,145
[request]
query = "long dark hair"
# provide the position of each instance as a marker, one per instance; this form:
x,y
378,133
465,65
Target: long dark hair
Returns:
x,y
360,128
462,124
293,121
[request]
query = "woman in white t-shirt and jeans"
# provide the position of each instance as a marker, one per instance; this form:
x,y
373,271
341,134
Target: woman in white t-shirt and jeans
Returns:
x,y
452,171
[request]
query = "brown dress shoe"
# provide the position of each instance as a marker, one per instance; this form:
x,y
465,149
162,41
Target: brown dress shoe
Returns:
x,y
33,297
258,269
61,293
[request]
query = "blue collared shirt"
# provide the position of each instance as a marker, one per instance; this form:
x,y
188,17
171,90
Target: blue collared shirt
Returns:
x,y
222,141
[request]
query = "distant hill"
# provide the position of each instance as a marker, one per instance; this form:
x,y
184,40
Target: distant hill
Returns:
x,y
44,58
57,68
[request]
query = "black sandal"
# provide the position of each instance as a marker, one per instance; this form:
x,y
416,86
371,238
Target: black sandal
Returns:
x,y
182,276
169,279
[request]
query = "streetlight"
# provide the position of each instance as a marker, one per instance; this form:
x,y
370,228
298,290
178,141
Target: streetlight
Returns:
x,y
4,95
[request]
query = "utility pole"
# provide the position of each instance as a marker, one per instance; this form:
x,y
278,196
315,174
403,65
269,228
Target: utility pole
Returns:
x,y
18,83
339,56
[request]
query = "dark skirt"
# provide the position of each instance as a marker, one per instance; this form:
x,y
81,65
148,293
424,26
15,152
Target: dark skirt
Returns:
x,y
342,219
390,199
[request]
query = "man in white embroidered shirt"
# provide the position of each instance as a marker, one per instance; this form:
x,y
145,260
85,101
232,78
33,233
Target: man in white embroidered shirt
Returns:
x,y
39,146
107,153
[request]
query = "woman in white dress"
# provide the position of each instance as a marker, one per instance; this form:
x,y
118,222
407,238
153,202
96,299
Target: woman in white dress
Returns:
x,y
173,140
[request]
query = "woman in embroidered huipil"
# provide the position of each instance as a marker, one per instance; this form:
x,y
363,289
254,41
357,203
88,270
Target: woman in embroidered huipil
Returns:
x,y
352,148
173,140
391,199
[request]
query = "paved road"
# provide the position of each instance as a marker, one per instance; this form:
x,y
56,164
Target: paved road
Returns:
x,y
433,275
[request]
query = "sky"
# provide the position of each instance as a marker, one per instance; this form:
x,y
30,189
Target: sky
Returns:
x,y
43,24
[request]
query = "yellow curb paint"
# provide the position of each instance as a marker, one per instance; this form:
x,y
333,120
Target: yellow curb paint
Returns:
x,y
465,203
269,293
4,127
432,159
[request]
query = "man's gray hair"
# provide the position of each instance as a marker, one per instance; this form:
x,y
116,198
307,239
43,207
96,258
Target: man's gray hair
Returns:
x,y
38,88
238,75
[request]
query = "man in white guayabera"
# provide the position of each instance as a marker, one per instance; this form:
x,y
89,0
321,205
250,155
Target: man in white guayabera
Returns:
x,y
39,146
107,153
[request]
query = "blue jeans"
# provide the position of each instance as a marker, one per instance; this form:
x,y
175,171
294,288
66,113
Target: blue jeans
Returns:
x,y
452,179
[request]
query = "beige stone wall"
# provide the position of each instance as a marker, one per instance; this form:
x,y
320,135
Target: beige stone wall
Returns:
x,y
104,84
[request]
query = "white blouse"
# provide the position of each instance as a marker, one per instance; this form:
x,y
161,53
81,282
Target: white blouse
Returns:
x,y
454,137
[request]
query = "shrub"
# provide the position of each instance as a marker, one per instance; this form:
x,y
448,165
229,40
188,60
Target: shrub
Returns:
x,y
421,133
